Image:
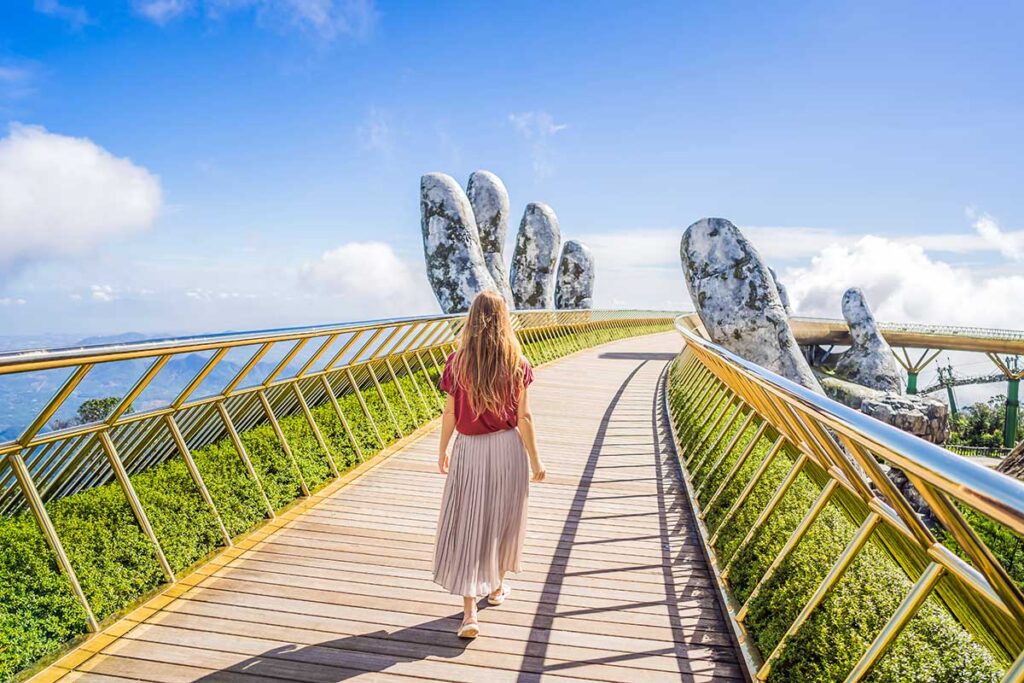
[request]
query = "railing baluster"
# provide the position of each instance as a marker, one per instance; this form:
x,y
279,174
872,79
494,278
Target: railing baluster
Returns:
x,y
42,518
904,613
134,502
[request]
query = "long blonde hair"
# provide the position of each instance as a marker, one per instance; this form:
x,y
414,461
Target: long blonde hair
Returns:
x,y
489,364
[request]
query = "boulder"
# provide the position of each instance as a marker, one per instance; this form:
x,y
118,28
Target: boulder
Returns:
x,y
534,260
869,361
489,199
451,244
575,283
737,300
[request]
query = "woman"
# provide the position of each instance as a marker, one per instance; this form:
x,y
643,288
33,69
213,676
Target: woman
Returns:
x,y
482,523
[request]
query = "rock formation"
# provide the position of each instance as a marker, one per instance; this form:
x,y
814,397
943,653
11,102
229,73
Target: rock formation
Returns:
x,y
575,284
451,244
1013,463
870,361
917,414
534,260
735,295
783,294
489,199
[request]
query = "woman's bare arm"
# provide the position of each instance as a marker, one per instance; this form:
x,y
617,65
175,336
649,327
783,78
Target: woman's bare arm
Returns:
x,y
447,428
530,437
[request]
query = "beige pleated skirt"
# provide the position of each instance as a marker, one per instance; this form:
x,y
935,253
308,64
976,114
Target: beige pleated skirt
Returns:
x,y
482,523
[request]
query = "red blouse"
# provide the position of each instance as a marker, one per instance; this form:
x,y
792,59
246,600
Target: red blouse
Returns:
x,y
465,421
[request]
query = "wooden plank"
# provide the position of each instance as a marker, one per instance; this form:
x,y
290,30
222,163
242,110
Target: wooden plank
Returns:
x,y
614,586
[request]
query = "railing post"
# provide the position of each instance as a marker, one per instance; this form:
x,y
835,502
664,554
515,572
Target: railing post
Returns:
x,y
362,404
197,477
315,428
835,573
416,385
341,417
911,603
384,400
236,441
276,426
35,503
134,502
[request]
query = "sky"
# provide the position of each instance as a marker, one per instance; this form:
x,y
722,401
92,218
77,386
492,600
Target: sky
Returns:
x,y
179,166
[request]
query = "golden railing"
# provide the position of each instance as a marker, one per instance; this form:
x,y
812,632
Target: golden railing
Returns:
x,y
298,369
733,421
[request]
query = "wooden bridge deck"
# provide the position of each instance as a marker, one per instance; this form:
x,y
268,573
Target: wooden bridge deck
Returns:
x,y
615,587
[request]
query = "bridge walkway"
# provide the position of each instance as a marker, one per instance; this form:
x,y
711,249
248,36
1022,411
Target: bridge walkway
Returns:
x,y
614,588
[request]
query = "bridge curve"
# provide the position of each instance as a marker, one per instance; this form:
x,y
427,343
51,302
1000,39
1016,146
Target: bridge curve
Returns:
x,y
615,585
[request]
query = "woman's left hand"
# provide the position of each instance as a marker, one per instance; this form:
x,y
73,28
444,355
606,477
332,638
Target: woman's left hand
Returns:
x,y
442,463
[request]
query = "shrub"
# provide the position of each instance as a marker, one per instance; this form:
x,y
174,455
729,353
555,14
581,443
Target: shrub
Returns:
x,y
933,646
116,563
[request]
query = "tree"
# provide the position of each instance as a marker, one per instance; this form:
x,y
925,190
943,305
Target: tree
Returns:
x,y
96,409
980,424
90,410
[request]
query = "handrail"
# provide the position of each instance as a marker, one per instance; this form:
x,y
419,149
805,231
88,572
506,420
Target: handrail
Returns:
x,y
846,452
386,367
834,331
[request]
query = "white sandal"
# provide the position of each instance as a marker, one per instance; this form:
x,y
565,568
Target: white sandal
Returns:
x,y
469,630
498,599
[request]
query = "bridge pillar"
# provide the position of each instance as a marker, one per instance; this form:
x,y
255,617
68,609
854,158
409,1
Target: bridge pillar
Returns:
x,y
1010,367
911,382
1012,410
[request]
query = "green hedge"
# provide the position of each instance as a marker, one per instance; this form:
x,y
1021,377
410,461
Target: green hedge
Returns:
x,y
933,646
115,562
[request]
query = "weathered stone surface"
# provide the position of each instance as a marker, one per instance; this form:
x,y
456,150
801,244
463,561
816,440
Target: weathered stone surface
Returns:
x,y
736,298
535,257
922,416
451,244
917,414
1013,463
870,360
489,199
575,284
783,294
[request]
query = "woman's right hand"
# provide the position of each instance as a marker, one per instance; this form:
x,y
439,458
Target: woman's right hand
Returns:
x,y
442,462
539,472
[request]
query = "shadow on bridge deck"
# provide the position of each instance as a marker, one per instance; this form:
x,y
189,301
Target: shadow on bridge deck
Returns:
x,y
614,587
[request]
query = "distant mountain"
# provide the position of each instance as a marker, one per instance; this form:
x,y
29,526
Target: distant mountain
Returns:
x,y
22,396
124,338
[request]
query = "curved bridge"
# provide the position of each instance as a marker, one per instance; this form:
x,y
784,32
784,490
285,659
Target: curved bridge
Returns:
x,y
615,586
703,520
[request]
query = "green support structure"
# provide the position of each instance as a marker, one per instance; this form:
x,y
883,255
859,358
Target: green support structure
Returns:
x,y
952,401
1012,409
911,382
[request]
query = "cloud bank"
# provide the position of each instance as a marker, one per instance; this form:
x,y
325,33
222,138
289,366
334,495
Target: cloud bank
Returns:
x,y
904,284
369,277
61,196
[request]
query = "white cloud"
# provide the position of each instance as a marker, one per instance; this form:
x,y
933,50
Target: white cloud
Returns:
x,y
1008,244
538,128
904,284
16,79
102,293
371,278
161,11
63,196
75,15
326,20
375,133
11,301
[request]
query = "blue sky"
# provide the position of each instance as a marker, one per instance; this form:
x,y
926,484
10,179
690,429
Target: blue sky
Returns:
x,y
252,163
